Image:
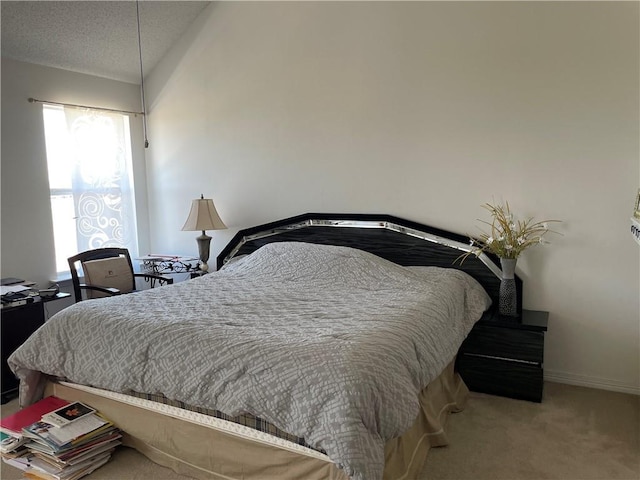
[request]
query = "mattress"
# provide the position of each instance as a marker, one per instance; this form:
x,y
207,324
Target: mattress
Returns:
x,y
245,419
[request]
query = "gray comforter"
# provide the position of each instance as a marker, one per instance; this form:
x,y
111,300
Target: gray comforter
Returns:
x,y
328,343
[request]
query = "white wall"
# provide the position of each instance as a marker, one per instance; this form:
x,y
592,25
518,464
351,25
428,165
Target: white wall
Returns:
x,y
27,237
424,110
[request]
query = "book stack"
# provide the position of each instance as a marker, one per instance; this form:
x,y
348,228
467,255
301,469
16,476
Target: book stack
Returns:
x,y
57,440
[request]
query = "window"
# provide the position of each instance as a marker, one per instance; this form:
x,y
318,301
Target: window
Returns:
x,y
90,180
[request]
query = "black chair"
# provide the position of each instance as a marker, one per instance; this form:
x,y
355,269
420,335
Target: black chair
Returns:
x,y
107,272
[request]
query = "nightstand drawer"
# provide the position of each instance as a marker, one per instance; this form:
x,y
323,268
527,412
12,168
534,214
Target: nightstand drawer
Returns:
x,y
501,377
506,343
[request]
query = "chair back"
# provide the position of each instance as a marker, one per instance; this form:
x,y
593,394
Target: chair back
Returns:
x,y
104,267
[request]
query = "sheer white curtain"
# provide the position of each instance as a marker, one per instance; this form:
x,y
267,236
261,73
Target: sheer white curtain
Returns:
x,y
90,179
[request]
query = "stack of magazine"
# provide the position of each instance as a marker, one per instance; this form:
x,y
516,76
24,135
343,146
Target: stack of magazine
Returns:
x,y
57,440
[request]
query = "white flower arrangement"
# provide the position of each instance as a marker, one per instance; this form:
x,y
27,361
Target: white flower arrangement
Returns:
x,y
508,237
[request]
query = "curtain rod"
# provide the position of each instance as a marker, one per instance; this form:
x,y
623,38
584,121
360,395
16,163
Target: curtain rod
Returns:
x,y
35,100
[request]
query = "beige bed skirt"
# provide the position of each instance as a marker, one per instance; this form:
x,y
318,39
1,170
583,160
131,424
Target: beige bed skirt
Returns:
x,y
204,447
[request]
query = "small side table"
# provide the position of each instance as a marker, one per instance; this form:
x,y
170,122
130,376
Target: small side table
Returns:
x,y
504,356
166,264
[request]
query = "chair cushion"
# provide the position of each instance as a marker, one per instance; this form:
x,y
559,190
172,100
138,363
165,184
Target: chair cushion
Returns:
x,y
111,272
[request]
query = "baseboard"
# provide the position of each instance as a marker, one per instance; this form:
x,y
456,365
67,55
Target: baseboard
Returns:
x,y
591,382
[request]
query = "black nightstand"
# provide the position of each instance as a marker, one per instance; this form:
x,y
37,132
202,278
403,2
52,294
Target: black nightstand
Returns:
x,y
504,356
16,325
198,273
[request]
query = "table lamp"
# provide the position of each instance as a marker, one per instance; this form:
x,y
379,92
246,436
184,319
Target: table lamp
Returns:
x,y
203,216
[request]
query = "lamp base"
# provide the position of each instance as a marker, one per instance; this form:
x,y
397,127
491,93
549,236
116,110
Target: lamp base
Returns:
x,y
204,242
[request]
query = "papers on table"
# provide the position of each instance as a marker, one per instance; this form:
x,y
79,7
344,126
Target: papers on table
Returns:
x,y
5,289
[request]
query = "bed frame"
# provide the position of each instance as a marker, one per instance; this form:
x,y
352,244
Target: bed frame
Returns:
x,y
401,241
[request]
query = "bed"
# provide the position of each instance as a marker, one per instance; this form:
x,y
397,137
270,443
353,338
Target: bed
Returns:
x,y
335,335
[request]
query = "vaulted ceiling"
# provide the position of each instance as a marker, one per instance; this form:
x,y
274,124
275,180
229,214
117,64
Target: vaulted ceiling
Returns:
x,y
95,37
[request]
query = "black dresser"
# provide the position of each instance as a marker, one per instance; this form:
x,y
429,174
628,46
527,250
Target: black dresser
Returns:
x,y
504,355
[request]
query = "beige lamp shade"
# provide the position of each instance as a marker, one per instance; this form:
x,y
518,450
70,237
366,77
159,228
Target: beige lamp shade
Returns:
x,y
203,216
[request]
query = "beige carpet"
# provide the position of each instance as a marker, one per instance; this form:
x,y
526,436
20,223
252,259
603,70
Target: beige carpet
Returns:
x,y
574,434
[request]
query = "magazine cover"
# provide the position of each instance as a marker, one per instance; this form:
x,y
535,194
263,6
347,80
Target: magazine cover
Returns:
x,y
67,414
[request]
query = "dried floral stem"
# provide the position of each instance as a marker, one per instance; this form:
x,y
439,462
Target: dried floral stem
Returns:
x,y
508,237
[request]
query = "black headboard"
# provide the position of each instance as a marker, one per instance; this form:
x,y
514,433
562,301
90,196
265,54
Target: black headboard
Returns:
x,y
395,239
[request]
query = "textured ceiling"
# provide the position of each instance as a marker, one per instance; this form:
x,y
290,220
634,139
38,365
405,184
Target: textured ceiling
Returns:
x,y
94,37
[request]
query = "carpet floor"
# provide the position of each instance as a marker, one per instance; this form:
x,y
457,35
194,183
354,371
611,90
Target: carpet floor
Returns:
x,y
576,433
